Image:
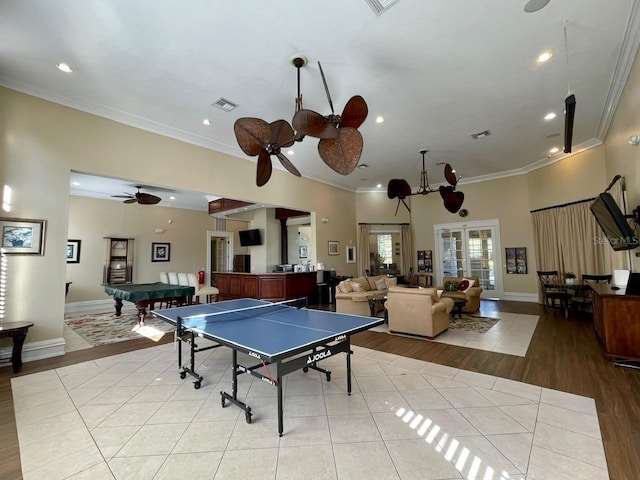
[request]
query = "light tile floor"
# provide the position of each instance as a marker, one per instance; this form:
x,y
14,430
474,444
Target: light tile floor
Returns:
x,y
511,335
130,416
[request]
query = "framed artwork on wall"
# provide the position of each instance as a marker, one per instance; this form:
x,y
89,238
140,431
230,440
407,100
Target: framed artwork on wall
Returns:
x,y
73,251
160,252
302,251
334,248
351,254
22,236
516,259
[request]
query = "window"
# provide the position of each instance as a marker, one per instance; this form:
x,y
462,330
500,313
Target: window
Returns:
x,y
385,248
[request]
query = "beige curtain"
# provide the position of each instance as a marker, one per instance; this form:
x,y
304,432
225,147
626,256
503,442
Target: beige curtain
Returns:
x,y
405,249
363,248
567,238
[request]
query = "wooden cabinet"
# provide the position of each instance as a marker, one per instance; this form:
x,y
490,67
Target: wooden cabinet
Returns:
x,y
616,318
118,261
266,286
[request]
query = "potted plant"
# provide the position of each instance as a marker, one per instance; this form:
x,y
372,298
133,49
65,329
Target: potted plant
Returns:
x,y
569,277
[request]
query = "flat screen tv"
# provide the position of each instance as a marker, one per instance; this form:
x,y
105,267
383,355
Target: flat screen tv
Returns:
x,y
613,222
249,238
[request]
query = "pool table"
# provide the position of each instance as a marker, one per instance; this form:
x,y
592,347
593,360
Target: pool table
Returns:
x,y
147,294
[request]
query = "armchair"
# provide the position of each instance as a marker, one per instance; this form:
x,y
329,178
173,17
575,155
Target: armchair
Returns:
x,y
417,311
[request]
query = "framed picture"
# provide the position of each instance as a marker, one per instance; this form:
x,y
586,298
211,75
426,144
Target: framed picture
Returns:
x,y
160,252
334,248
73,251
302,251
516,259
351,254
22,236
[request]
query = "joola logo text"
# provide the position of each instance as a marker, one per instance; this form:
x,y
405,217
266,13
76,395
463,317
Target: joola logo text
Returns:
x,y
318,356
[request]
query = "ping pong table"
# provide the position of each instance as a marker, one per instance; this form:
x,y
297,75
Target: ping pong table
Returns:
x,y
271,333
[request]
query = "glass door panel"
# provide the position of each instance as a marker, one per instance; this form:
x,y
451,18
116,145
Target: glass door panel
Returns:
x,y
452,254
480,260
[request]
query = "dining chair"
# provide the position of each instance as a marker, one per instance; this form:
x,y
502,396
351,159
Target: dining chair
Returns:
x,y
553,293
582,300
164,277
173,278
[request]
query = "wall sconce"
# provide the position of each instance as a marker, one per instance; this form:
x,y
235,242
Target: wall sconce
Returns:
x,y
325,220
159,230
634,140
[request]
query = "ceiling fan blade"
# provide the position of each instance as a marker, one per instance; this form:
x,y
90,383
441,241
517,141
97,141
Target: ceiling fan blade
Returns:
x,y
355,112
326,89
343,153
450,175
399,188
288,165
252,134
282,133
127,195
308,122
452,200
131,200
263,173
148,199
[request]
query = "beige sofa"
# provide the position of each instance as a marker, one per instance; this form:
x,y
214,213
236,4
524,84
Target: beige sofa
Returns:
x,y
472,295
357,302
417,311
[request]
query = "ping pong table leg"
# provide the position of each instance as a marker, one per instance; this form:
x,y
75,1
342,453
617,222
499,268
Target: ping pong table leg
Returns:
x,y
348,366
280,415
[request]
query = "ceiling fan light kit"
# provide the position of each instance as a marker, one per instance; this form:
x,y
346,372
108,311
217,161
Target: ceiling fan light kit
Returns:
x,y
340,143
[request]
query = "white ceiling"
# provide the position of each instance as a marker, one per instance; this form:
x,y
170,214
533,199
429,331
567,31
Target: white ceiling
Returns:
x,y
438,71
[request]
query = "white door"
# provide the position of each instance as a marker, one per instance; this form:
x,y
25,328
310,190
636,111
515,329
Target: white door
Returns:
x,y
470,249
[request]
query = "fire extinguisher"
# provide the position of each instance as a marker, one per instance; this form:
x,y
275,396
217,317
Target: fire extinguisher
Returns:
x,y
201,277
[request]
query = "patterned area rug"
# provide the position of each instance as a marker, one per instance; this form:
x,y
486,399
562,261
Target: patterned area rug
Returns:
x,y
473,323
103,328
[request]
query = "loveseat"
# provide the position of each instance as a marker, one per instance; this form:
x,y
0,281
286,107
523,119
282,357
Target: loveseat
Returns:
x,y
352,295
452,287
417,311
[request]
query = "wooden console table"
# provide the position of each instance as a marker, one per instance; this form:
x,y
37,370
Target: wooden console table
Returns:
x,y
18,331
616,321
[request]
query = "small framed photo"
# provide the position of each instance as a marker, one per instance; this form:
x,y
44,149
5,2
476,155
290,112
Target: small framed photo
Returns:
x,y
334,248
302,251
160,252
22,236
351,254
73,251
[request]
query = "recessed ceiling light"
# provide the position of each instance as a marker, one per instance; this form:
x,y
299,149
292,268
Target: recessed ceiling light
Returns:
x,y
550,116
206,121
534,5
75,184
544,56
172,197
363,165
379,119
554,150
379,185
63,67
291,152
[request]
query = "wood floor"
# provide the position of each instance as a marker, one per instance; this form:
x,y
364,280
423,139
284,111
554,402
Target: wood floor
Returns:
x,y
564,355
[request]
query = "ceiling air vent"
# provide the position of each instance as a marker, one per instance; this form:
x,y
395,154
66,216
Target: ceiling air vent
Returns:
x,y
224,104
479,135
381,6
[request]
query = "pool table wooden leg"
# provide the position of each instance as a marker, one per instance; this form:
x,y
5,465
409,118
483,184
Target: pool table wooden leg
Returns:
x,y
118,306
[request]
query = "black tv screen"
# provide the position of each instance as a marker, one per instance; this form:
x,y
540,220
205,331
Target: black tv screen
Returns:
x,y
613,222
250,238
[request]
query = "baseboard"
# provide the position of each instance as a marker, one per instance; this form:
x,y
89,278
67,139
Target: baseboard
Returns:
x,y
520,297
32,351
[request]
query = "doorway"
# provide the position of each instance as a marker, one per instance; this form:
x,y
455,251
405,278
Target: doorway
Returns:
x,y
219,253
470,249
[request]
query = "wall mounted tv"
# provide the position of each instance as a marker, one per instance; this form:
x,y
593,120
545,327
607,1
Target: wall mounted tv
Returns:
x,y
614,223
249,238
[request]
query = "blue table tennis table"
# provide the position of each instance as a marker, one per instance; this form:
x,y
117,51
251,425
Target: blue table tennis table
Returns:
x,y
277,334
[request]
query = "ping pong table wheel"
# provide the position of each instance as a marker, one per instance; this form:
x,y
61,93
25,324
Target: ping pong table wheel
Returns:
x,y
197,385
247,415
305,369
328,376
183,375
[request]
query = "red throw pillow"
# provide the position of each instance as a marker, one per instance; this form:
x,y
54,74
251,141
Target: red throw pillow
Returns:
x,y
463,285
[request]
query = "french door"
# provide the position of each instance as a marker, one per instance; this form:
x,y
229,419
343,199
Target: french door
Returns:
x,y
470,249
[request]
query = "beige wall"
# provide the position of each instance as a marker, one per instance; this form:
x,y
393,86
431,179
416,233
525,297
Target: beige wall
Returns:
x,y
92,219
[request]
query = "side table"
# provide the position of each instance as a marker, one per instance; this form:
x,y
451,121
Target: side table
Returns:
x,y
17,331
458,303
373,301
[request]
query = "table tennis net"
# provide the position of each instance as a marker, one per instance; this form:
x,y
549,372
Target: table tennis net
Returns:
x,y
201,321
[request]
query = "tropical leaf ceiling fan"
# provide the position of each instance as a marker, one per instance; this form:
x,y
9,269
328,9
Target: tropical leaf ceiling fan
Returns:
x,y
340,144
139,197
400,189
